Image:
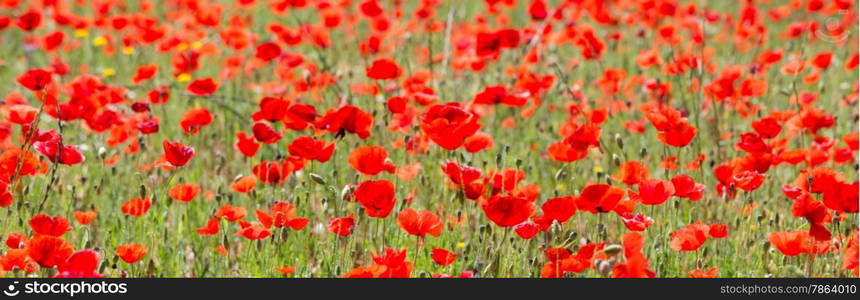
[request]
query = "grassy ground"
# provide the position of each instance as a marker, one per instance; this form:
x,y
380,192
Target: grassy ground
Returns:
x,y
176,250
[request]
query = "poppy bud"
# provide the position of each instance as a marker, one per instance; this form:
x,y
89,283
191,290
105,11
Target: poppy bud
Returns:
x,y
643,152
318,179
142,191
561,173
619,141
612,250
519,163
616,160
604,267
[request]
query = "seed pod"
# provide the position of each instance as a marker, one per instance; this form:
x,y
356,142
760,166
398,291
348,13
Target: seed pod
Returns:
x,y
318,179
619,141
612,250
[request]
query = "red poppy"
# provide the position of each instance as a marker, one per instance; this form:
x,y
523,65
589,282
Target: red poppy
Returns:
x,y
748,180
311,149
507,211
460,174
685,187
131,253
711,273
184,192
231,213
342,226
264,133
194,119
631,173
202,87
57,152
382,69
377,197
347,119
55,226
527,229
254,232
790,243
690,238
448,125
48,251
81,264
443,257
420,223
35,79
638,222
559,209
370,160
272,109
267,51
136,207
211,228
84,217
718,231
655,191
247,145
635,264
176,153
144,72
281,215
599,198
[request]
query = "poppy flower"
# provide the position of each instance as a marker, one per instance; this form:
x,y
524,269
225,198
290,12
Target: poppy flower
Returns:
x,y
272,172
202,87
48,251
370,160
420,223
710,273
527,229
287,270
247,145
184,192
254,232
55,226
460,174
264,133
57,152
144,72
559,209
194,119
718,231
377,197
272,109
231,213
655,191
442,257
281,215
690,238
638,222
18,259
599,198
748,180
685,187
342,226
21,114
448,125
382,69
136,207
347,119
177,154
791,243
631,173
211,228
131,253
507,211
81,264
84,217
311,149
35,79
244,184
635,264
267,51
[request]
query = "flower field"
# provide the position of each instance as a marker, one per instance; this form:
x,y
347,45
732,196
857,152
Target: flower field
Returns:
x,y
429,138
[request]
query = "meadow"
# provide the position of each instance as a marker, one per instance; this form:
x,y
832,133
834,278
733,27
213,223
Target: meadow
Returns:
x,y
429,138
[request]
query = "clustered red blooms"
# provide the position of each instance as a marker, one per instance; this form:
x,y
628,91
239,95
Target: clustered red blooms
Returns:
x,y
558,84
